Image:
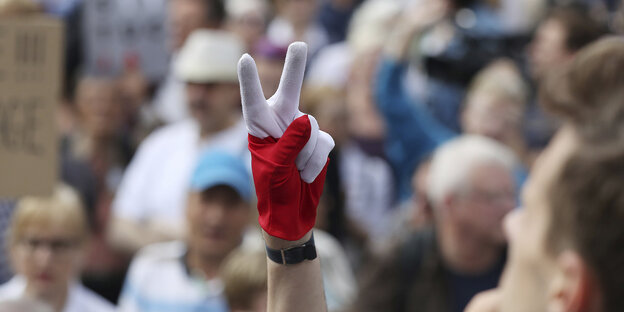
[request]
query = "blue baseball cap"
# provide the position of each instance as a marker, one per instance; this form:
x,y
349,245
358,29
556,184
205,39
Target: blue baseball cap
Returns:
x,y
216,167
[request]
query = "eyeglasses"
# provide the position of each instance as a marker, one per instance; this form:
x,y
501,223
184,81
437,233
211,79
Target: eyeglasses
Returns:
x,y
56,246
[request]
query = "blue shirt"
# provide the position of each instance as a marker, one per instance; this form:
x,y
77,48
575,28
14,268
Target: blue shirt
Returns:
x,y
413,133
464,287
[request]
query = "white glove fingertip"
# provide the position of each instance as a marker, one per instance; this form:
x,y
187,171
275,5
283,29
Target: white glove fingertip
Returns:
x,y
288,92
256,111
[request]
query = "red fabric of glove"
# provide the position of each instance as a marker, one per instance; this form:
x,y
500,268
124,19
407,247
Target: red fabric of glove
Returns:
x,y
286,204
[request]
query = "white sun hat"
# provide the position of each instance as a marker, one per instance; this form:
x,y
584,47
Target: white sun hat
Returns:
x,y
209,56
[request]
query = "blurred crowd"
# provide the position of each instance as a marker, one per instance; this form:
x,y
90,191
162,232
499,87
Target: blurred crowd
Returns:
x,y
433,104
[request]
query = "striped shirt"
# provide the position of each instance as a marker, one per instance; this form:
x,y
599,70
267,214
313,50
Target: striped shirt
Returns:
x,y
159,280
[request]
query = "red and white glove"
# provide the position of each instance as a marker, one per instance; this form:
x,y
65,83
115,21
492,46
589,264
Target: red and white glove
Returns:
x,y
288,151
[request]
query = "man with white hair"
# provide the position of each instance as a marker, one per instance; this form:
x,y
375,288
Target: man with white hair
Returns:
x,y
149,206
184,17
471,188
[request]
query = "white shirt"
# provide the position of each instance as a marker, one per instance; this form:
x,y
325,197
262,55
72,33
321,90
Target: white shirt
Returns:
x,y
158,280
368,184
79,299
156,183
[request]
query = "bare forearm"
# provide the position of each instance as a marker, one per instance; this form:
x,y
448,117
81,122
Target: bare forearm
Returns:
x,y
297,287
128,236
411,24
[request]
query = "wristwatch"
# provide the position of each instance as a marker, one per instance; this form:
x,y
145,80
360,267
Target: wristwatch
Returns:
x,y
293,255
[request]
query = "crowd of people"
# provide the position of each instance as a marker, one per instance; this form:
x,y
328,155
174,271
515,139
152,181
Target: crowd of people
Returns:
x,y
440,112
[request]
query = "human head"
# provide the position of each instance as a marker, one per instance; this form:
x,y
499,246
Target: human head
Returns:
x,y
186,16
244,276
565,245
100,109
269,58
247,19
564,31
495,103
300,13
46,239
470,187
207,64
218,208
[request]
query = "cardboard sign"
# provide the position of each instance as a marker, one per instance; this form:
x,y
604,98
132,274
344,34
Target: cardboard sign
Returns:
x,y
30,88
119,34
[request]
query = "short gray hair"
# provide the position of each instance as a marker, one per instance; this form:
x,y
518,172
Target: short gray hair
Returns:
x,y
454,161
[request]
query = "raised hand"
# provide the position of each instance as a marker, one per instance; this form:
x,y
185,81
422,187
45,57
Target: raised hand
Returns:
x,y
289,152
270,117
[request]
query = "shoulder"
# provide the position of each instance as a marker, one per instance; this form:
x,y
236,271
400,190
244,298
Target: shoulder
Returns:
x,y
87,299
162,251
171,133
152,258
156,146
12,289
405,251
418,241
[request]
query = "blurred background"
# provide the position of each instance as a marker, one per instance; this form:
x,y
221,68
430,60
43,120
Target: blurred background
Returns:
x,y
142,89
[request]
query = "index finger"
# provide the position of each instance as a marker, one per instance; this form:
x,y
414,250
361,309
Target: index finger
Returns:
x,y
255,108
287,101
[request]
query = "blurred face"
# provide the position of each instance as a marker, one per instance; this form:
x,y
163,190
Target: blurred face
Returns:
x,y
530,268
213,105
493,117
270,72
482,207
48,257
217,219
185,16
100,108
299,12
548,48
249,27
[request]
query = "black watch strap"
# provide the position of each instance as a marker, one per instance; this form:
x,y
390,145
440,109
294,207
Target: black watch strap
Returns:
x,y
293,255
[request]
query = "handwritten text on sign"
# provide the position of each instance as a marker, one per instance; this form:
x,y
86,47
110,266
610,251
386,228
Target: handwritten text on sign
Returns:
x,y
30,84
19,123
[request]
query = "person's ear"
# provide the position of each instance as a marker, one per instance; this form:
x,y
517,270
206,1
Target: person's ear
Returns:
x,y
573,286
